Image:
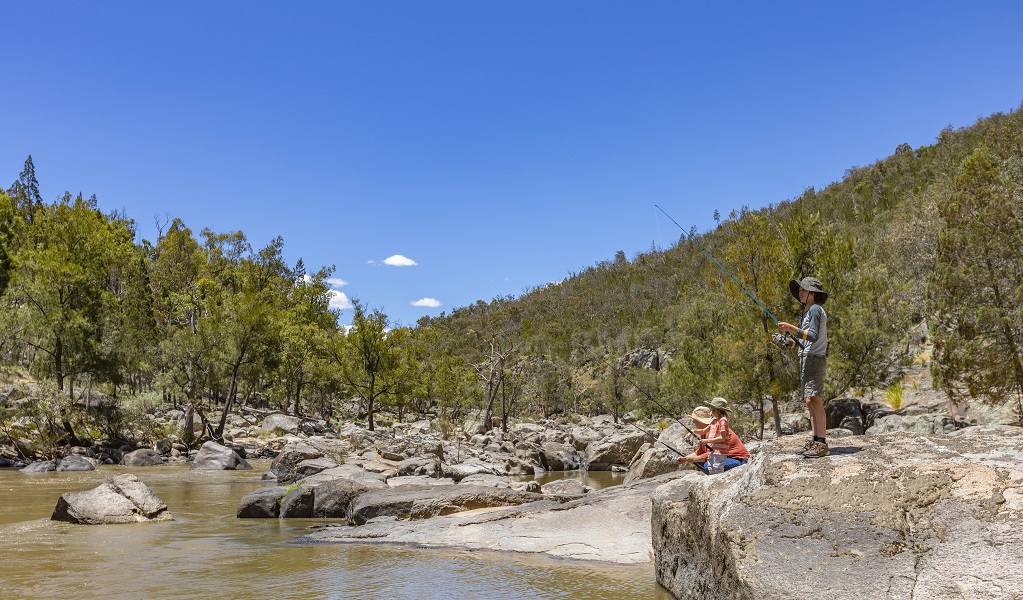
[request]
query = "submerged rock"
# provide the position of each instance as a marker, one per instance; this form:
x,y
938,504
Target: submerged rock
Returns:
x,y
890,516
122,499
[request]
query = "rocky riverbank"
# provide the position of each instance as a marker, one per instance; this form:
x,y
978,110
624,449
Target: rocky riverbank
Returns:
x,y
889,516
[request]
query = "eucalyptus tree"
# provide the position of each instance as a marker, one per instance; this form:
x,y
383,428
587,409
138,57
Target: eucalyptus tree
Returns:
x,y
244,304
369,358
61,289
178,280
304,324
756,254
977,289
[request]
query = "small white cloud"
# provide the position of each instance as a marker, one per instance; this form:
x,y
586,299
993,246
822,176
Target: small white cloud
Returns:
x,y
336,282
427,302
398,260
338,300
306,278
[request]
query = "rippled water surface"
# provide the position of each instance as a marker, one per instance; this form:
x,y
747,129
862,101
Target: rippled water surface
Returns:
x,y
208,553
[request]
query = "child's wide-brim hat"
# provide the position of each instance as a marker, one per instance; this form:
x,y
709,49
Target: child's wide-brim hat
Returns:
x,y
720,404
702,415
810,284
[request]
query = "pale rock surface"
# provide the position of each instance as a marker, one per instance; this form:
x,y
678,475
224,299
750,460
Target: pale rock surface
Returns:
x,y
891,516
576,530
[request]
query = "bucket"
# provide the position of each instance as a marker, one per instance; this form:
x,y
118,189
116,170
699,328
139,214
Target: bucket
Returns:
x,y
716,463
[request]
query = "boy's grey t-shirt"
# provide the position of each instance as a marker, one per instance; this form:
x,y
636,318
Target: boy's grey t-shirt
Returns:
x,y
815,322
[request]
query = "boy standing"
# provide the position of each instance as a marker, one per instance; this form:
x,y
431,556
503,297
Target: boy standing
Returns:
x,y
812,340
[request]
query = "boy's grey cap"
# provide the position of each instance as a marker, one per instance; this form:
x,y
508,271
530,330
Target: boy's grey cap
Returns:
x,y
810,284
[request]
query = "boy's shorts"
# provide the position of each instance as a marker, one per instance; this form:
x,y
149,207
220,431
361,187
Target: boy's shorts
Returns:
x,y
811,375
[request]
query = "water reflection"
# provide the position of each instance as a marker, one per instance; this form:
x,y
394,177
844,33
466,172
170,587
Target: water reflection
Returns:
x,y
206,552
597,480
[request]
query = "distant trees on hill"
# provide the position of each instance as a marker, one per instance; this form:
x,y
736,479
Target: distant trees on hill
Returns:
x,y
932,235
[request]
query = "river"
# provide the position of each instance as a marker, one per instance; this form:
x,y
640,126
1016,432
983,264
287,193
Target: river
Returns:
x,y
205,552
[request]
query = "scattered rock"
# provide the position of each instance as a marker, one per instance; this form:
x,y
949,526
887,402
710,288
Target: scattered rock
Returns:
x,y
565,487
76,462
472,466
214,457
144,457
279,423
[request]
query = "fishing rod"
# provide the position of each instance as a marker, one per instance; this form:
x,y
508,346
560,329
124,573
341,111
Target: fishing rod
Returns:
x,y
657,440
716,261
667,412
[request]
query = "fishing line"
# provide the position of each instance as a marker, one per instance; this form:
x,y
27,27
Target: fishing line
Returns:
x,y
718,263
658,440
666,412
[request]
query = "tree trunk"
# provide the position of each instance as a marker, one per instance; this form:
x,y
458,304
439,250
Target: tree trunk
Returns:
x,y
229,401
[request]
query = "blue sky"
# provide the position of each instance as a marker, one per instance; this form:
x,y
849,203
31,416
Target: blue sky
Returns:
x,y
498,146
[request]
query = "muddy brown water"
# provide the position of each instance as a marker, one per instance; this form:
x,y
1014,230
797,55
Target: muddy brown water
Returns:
x,y
208,553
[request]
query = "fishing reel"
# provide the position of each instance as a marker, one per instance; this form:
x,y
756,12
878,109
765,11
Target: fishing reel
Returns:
x,y
784,340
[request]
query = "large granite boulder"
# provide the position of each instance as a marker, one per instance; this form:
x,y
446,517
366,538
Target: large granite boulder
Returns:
x,y
313,466
298,503
122,499
143,457
655,460
413,502
331,499
419,465
560,457
845,413
263,503
214,457
581,437
291,455
616,449
891,516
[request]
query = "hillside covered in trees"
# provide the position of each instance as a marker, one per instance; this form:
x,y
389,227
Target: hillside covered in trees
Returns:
x,y
927,242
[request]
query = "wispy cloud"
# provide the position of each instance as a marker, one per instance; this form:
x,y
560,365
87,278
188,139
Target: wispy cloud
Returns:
x,y
336,282
427,302
338,300
398,260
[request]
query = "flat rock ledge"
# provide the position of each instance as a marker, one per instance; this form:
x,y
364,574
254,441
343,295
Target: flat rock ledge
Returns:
x,y
611,525
122,499
897,515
